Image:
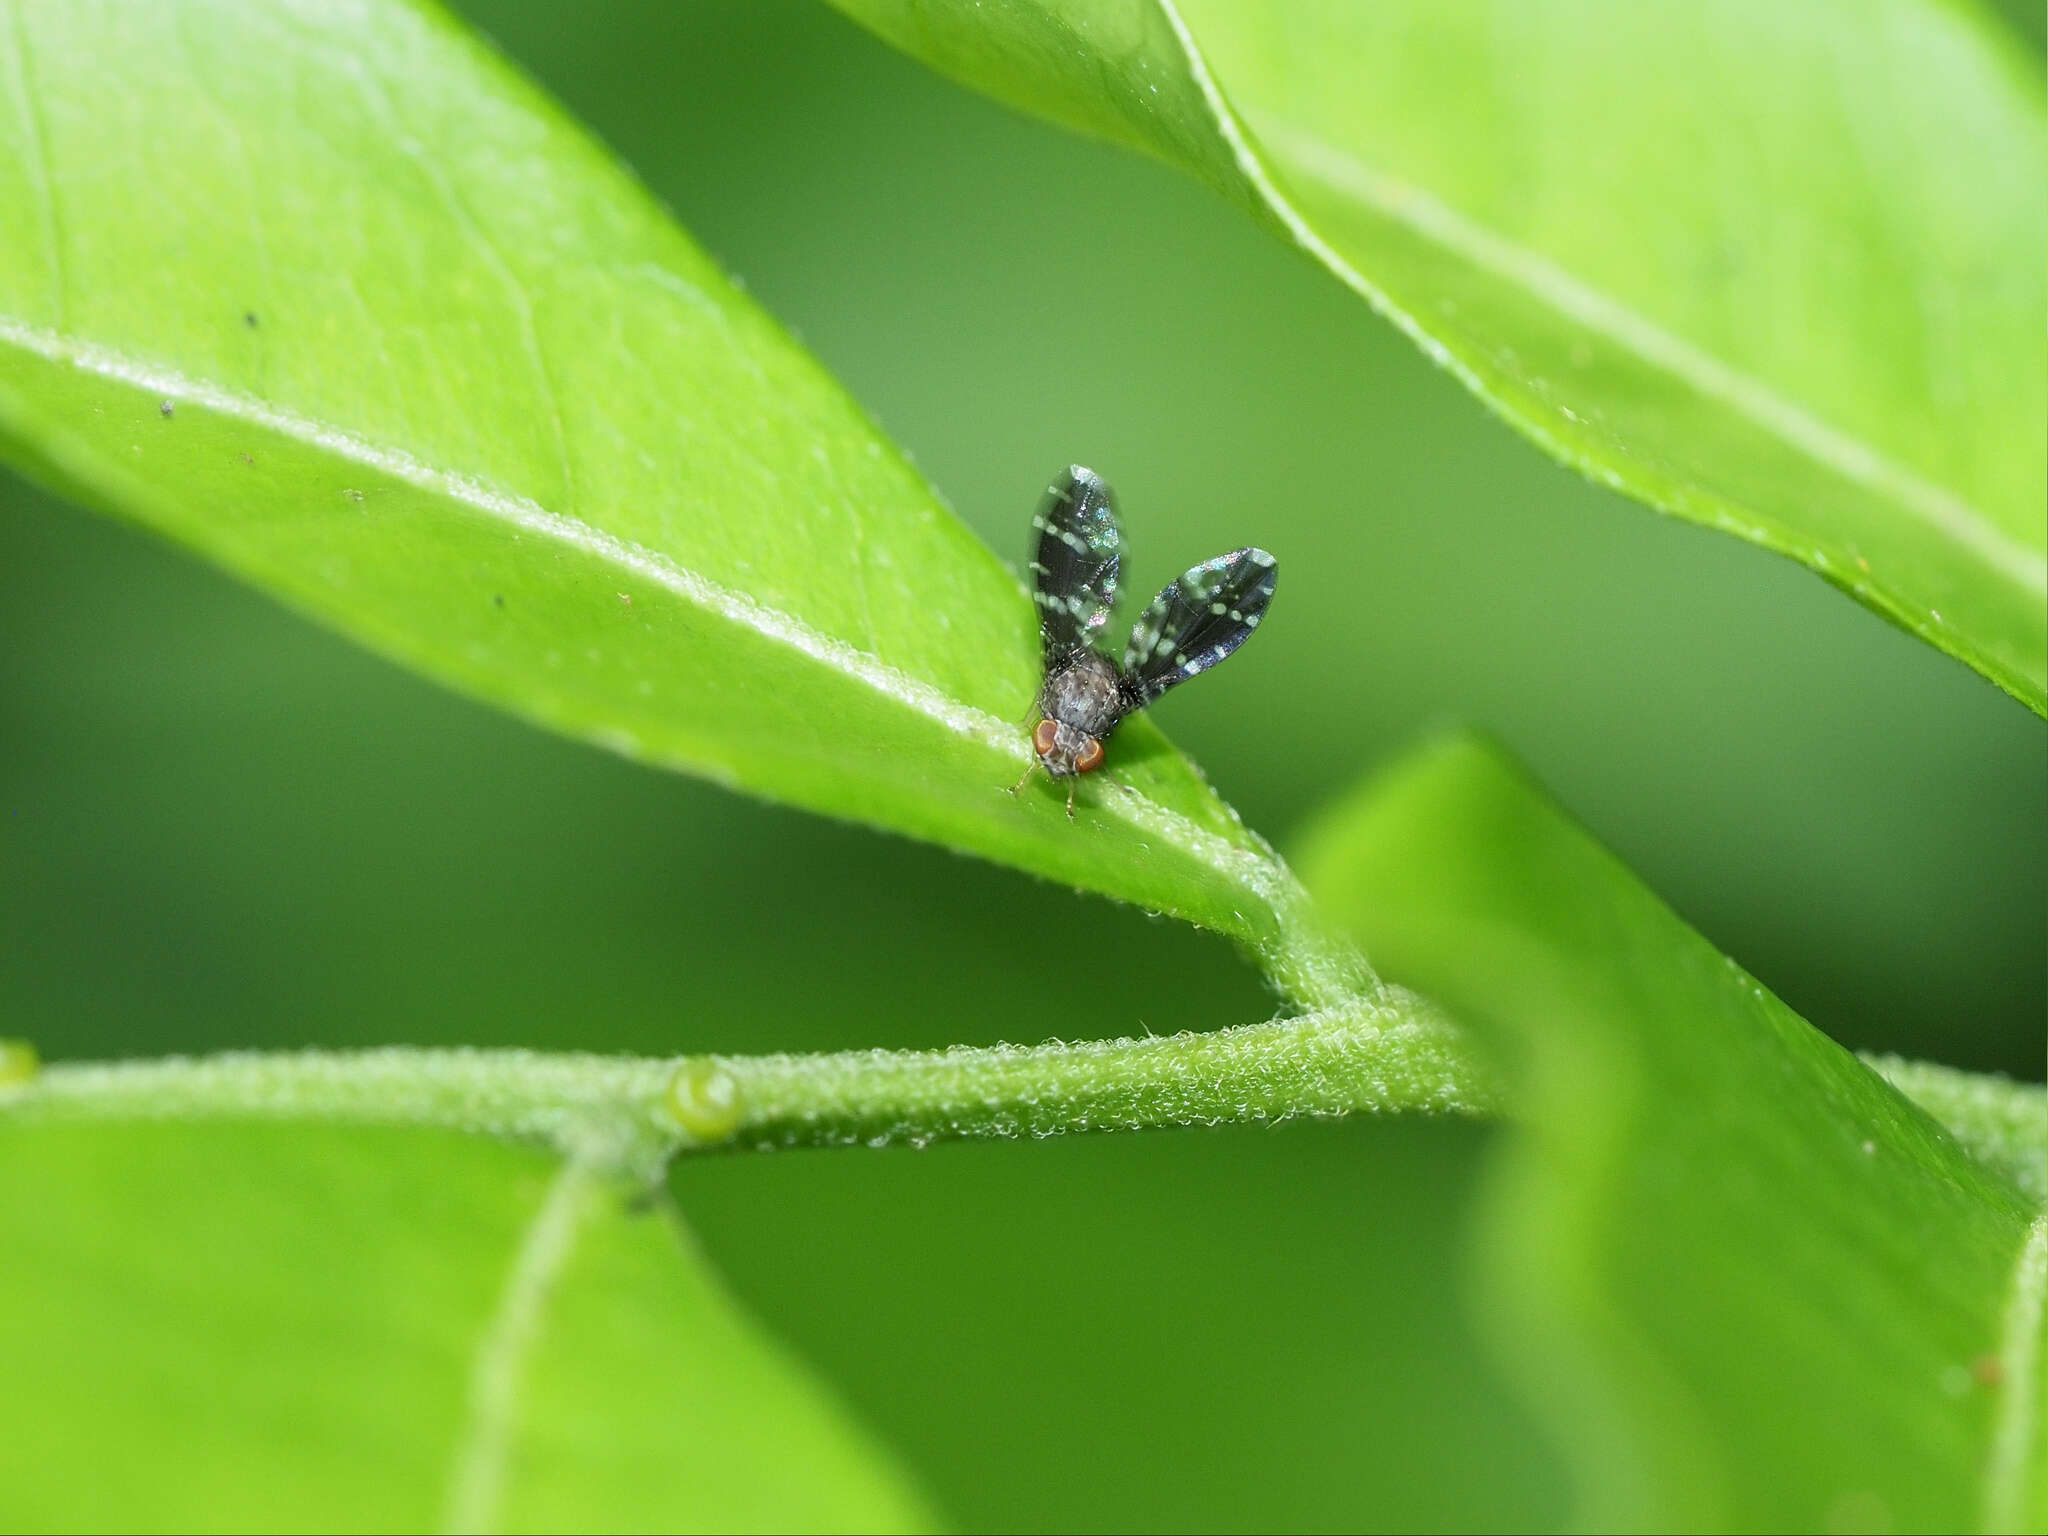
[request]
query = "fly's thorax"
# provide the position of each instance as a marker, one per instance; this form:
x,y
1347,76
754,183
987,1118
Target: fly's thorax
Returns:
x,y
1081,691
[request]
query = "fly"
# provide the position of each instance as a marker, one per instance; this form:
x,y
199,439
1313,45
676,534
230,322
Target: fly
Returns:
x,y
1193,624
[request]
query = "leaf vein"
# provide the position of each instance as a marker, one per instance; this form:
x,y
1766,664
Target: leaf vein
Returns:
x,y
1313,972
238,142
483,1451
2012,1436
378,102
38,159
1969,526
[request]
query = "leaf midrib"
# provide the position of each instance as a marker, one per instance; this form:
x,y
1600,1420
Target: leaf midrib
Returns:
x,y
2012,1433
1556,288
1252,870
1582,303
482,1452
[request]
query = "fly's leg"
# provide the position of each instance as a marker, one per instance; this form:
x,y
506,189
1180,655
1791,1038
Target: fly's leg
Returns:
x,y
1018,787
1070,799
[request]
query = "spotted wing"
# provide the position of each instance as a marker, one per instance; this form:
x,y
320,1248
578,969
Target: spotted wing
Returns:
x,y
1197,621
1073,571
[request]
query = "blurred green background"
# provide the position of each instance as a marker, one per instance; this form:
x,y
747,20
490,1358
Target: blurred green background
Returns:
x,y
222,828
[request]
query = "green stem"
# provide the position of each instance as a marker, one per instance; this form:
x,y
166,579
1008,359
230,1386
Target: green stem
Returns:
x,y
1395,1054
1391,1053
1310,963
1280,926
610,1105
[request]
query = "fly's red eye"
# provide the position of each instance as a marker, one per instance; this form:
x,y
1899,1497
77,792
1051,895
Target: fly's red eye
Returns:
x,y
1044,738
1089,758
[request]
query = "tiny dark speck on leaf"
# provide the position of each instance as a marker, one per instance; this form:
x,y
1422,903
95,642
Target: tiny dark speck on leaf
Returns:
x,y
249,318
498,598
167,407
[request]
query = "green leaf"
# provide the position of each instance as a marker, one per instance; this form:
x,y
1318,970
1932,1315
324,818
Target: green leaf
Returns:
x,y
1998,1121
1750,1285
265,1328
1774,271
338,300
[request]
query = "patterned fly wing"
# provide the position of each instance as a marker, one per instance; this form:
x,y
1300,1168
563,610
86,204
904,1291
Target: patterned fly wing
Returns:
x,y
1197,621
1073,572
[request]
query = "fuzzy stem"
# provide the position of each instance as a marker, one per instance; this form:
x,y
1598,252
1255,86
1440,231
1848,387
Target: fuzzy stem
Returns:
x,y
1392,1053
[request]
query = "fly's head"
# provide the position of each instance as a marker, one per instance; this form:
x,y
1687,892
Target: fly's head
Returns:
x,y
1066,750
